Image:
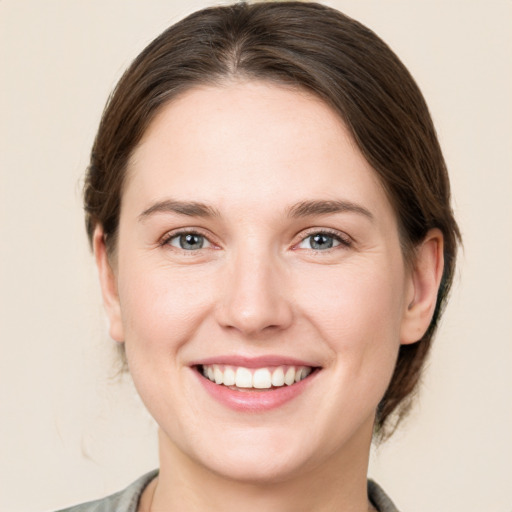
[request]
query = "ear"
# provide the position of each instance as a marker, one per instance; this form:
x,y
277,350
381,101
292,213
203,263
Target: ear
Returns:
x,y
108,283
422,287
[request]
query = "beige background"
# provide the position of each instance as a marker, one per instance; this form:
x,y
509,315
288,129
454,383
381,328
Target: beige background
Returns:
x,y
69,431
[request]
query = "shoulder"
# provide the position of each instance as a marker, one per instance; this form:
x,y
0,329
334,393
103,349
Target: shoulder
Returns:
x,y
379,498
128,499
122,501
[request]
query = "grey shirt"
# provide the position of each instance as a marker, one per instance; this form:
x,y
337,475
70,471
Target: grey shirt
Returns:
x,y
128,499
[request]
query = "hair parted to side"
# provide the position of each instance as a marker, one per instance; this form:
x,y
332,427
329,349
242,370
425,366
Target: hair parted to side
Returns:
x,y
312,47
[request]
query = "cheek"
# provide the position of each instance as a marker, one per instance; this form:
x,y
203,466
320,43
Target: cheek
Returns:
x,y
355,294
161,306
161,309
358,311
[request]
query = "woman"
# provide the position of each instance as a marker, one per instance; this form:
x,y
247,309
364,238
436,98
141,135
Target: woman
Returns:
x,y
270,214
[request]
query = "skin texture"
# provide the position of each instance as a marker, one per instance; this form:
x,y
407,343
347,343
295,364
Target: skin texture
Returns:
x,y
257,287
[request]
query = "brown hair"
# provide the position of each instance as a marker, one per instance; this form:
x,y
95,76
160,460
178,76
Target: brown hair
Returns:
x,y
313,47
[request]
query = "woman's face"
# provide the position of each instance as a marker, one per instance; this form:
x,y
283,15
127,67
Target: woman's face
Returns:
x,y
257,248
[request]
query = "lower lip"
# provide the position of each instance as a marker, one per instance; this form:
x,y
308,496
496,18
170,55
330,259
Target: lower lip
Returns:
x,y
255,400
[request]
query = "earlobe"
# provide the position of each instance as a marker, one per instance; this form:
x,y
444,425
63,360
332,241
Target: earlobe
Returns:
x,y
108,283
423,285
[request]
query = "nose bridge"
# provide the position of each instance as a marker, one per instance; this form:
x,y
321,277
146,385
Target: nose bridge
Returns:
x,y
254,296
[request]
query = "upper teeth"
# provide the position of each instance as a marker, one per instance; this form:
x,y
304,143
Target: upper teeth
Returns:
x,y
259,378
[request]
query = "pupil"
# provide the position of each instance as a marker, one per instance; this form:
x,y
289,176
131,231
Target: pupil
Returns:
x,y
191,241
321,242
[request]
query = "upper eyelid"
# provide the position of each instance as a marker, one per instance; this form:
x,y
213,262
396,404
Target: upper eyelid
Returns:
x,y
169,235
341,235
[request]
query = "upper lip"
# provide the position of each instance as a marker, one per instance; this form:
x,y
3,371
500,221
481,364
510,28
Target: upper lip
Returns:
x,y
253,362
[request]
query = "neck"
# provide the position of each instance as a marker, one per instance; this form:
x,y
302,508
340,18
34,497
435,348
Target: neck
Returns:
x,y
185,485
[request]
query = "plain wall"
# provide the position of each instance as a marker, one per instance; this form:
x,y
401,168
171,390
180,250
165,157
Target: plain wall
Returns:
x,y
69,430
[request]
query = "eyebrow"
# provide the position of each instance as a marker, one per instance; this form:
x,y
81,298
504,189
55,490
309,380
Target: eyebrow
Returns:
x,y
298,210
188,208
324,207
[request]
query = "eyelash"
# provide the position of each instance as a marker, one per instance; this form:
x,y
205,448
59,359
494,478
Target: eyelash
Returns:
x,y
166,239
343,239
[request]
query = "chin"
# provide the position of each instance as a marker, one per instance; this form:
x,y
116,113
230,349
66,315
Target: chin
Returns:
x,y
258,466
257,456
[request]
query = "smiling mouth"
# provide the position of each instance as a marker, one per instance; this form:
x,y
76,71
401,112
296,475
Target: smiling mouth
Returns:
x,y
245,379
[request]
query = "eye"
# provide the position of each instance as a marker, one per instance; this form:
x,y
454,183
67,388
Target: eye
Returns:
x,y
188,241
322,241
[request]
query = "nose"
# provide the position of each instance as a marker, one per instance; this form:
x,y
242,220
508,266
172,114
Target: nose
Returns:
x,y
254,299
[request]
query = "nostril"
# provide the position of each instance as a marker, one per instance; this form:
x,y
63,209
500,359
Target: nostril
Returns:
x,y
260,317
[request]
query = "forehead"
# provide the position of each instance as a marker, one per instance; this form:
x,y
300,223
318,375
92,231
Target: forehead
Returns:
x,y
251,143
